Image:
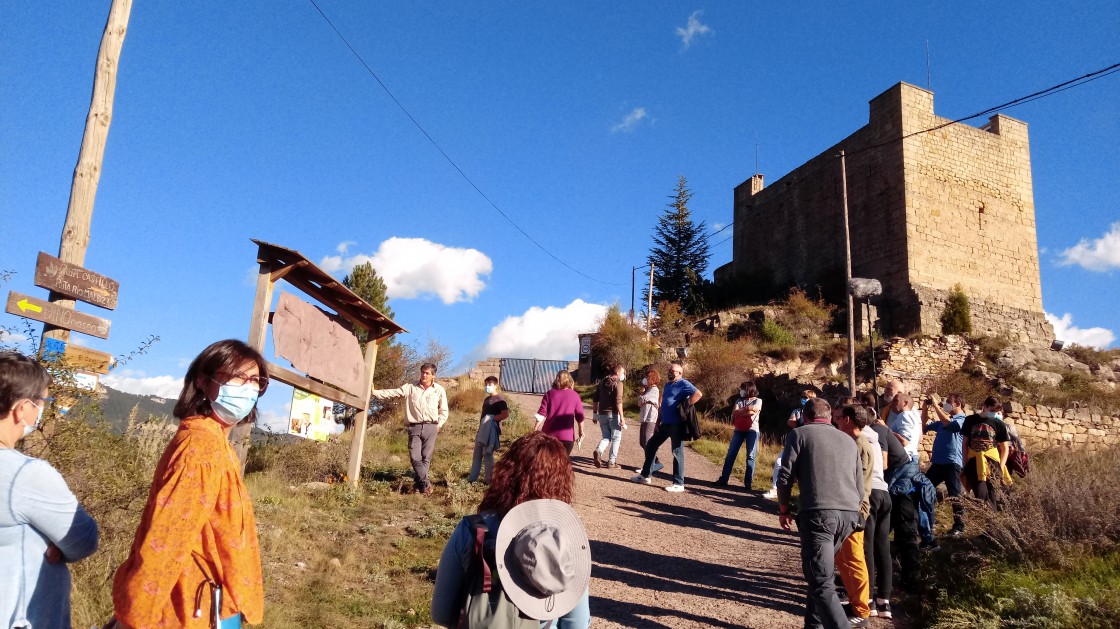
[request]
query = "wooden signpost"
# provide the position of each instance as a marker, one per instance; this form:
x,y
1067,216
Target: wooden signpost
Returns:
x,y
77,282
40,310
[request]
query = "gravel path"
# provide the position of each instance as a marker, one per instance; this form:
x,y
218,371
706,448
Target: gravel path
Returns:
x,y
710,557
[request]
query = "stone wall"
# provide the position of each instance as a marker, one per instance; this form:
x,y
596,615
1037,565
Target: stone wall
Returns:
x,y
483,369
927,211
919,362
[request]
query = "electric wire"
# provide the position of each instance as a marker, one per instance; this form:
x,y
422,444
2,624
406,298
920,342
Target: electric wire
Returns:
x,y
447,157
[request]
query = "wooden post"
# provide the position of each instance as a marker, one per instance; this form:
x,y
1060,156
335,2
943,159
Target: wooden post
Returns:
x,y
241,435
649,302
848,279
358,440
87,174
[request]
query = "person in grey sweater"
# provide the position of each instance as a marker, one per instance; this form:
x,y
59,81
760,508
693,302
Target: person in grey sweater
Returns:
x,y
825,464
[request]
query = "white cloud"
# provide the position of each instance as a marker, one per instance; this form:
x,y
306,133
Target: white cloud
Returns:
x,y
415,267
344,246
137,383
1064,330
7,337
1100,254
549,333
630,121
694,28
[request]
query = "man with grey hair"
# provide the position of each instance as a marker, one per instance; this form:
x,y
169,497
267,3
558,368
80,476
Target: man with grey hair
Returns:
x,y
670,427
825,464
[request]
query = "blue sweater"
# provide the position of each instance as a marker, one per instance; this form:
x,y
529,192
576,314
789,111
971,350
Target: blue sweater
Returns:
x,y
37,509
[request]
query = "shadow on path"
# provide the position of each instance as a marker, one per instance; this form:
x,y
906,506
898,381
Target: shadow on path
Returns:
x,y
667,573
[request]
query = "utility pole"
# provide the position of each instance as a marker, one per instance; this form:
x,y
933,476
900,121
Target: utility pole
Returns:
x,y
848,278
633,270
649,301
87,174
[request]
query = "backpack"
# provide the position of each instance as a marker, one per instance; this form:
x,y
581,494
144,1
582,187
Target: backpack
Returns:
x,y
486,604
1018,462
982,437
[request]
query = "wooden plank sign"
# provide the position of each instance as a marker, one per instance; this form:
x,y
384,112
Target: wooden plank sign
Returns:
x,y
39,310
76,356
74,281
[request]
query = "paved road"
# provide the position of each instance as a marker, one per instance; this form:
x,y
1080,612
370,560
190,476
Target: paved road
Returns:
x,y
710,557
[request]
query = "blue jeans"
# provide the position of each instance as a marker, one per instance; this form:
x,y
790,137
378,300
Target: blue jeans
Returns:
x,y
611,427
667,432
750,437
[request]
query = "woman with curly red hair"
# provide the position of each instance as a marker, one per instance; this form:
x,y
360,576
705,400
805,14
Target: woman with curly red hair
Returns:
x,y
536,468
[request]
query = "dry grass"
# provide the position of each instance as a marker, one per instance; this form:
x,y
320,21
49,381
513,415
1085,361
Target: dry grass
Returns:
x,y
1049,558
716,436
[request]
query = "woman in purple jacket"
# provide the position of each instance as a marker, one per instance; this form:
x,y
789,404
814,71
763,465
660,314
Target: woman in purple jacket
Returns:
x,y
561,412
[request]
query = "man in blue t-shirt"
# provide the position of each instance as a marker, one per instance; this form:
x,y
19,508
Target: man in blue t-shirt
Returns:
x,y
670,426
946,420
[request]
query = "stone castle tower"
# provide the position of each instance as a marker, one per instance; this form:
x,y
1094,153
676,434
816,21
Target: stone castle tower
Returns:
x,y
927,210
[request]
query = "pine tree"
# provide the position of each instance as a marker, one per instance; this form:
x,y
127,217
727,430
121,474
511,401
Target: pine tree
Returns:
x,y
957,316
391,362
680,252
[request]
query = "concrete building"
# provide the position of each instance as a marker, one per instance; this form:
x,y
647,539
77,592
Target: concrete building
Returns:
x,y
931,205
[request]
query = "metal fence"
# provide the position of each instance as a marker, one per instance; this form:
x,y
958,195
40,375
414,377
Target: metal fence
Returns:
x,y
528,375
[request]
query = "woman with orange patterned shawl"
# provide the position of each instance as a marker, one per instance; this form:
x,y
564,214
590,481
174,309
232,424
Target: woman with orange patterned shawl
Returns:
x,y
198,528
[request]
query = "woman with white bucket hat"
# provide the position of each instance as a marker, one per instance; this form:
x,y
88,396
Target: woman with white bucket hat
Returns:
x,y
541,555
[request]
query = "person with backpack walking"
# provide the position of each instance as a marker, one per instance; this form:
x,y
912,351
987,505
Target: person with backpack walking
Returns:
x,y
606,410
495,410
745,419
524,561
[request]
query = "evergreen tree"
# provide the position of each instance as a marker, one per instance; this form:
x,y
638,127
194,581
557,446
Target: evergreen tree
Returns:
x,y
957,316
680,253
389,371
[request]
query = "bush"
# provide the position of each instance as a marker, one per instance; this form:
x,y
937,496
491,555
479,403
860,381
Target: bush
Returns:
x,y
619,343
774,333
957,316
719,367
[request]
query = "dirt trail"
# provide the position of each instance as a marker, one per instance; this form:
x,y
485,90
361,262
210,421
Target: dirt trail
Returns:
x,y
710,557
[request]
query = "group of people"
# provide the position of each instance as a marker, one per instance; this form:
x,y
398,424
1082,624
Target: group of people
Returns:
x,y
857,471
859,479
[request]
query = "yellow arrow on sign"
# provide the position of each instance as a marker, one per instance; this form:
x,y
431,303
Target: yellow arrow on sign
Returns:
x,y
25,305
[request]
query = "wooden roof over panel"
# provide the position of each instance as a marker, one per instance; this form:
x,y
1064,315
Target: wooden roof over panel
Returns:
x,y
297,270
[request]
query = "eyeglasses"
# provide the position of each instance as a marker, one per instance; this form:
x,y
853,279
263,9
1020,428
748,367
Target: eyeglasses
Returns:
x,y
260,383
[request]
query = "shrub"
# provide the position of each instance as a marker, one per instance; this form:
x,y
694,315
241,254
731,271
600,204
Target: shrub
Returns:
x,y
618,342
957,316
774,333
466,397
1090,355
719,366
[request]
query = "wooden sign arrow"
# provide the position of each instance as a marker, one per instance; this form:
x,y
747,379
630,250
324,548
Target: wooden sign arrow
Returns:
x,y
77,282
39,310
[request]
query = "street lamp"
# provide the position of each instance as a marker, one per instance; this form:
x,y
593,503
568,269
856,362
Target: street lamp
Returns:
x,y
864,289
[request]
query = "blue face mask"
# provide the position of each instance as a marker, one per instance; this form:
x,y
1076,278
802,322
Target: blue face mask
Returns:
x,y
234,403
993,415
27,430
804,401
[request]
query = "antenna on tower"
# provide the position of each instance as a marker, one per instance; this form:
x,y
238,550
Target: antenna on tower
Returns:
x,y
927,67
756,152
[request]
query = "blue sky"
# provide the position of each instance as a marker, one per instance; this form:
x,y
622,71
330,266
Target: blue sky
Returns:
x,y
253,120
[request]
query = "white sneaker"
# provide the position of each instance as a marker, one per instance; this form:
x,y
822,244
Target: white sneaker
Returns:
x,y
638,478
772,494
656,467
676,489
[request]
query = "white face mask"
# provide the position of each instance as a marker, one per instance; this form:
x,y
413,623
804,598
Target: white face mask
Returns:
x,y
27,430
947,407
993,415
490,389
622,377
645,382
742,393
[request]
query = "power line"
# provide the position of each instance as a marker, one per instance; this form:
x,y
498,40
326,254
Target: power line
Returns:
x,y
447,157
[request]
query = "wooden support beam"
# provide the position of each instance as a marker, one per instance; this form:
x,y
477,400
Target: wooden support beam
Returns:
x,y
287,376
358,441
241,435
281,272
